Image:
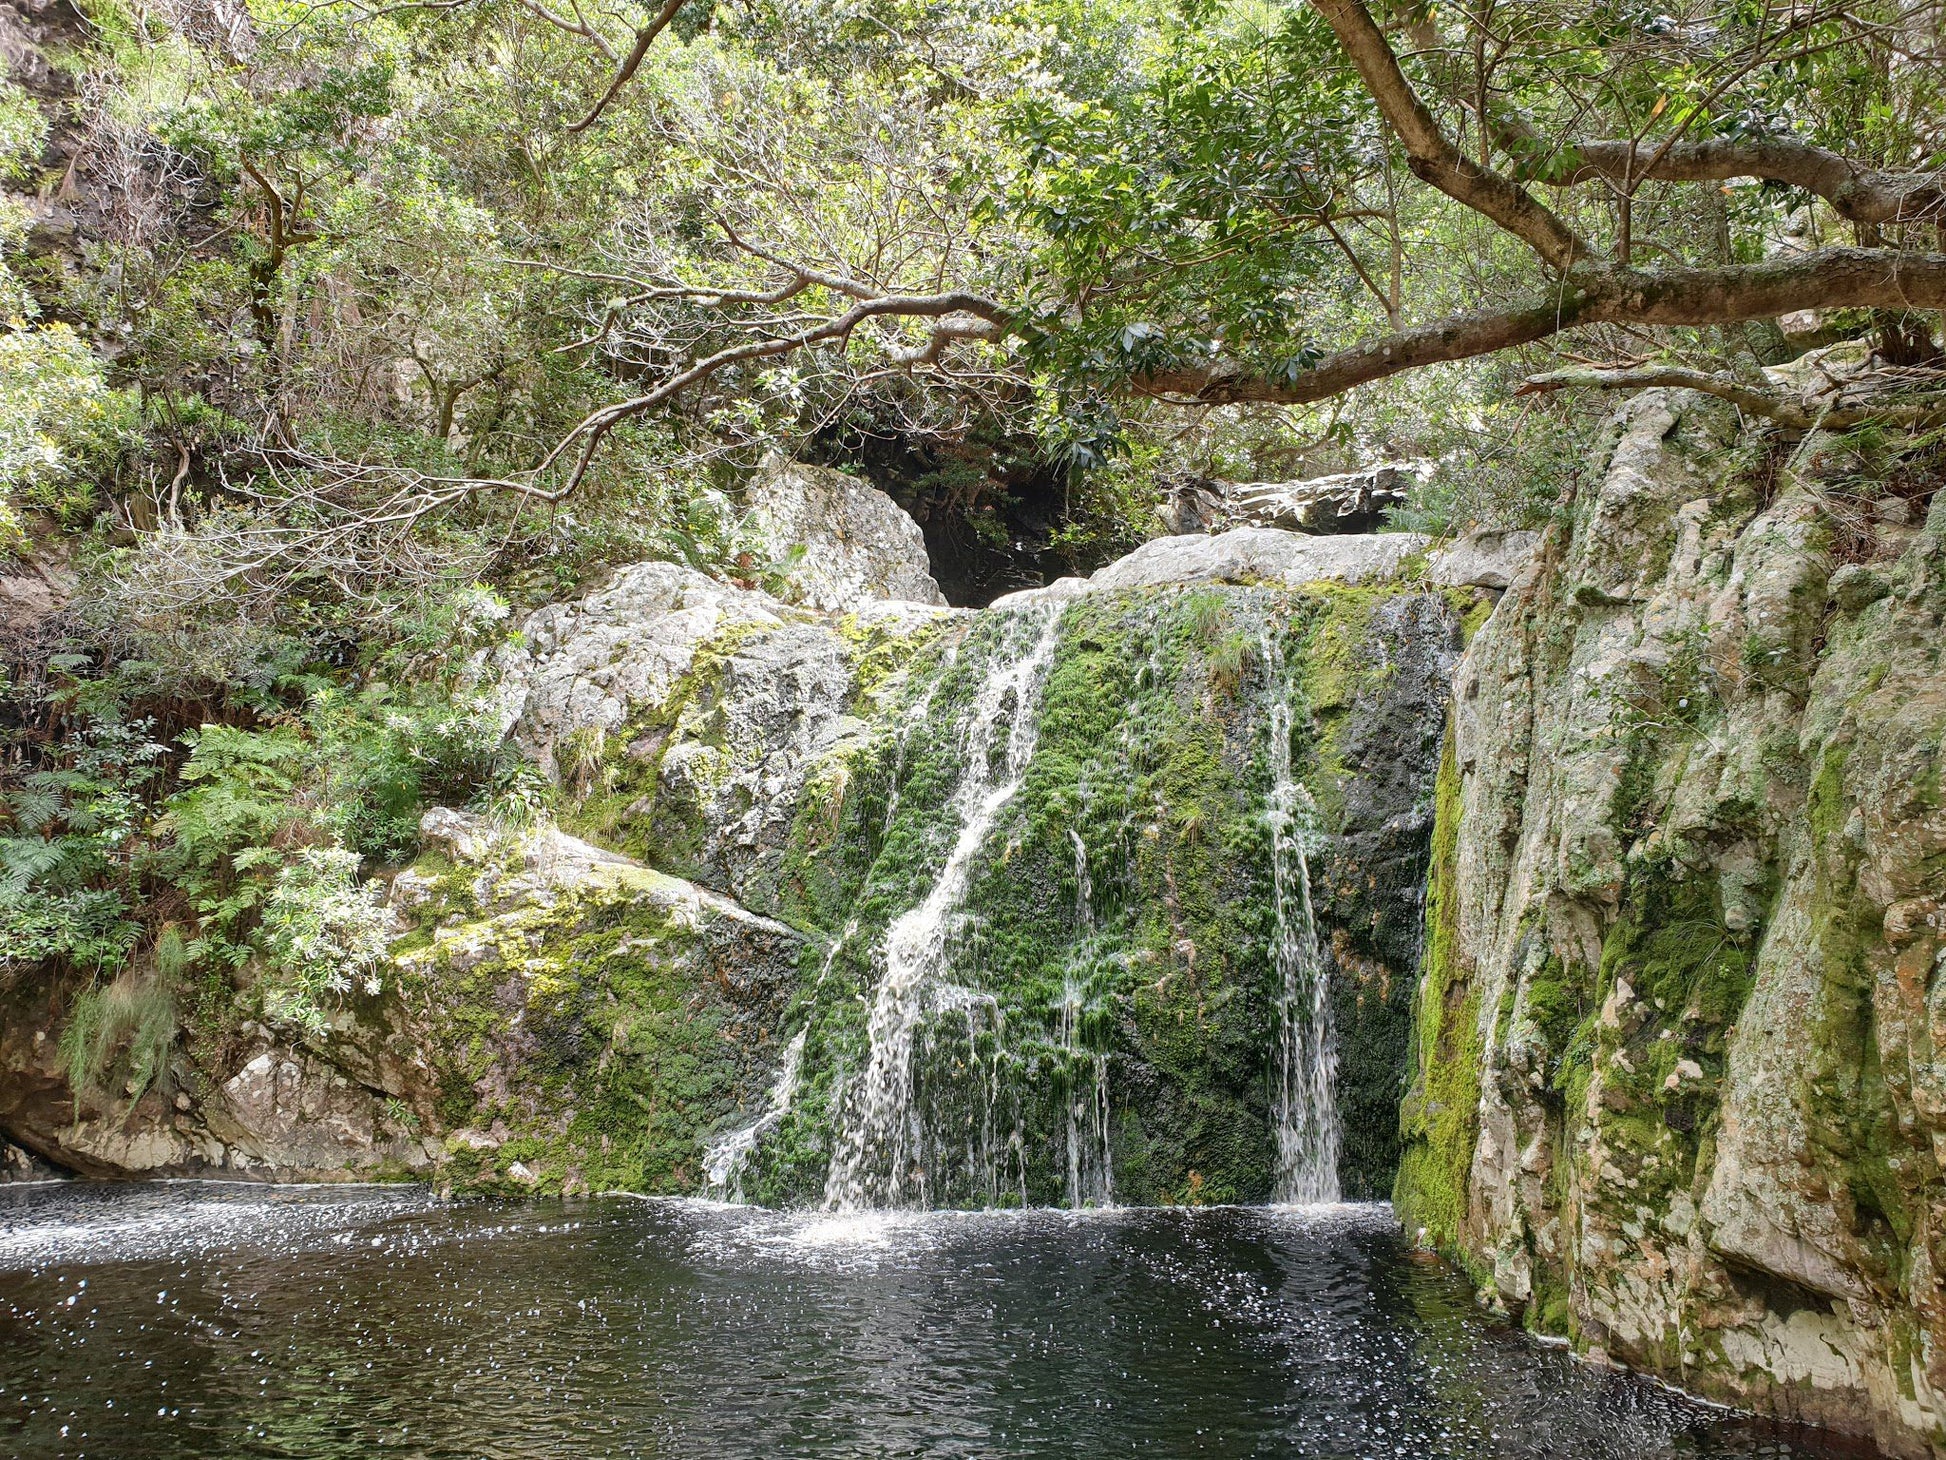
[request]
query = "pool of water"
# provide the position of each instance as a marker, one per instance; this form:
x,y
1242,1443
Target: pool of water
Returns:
x,y
194,1319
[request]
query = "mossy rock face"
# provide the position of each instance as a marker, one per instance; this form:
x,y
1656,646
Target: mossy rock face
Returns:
x,y
1112,950
588,1039
1687,913
1101,1019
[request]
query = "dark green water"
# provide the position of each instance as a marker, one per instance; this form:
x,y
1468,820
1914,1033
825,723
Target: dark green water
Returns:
x,y
218,1320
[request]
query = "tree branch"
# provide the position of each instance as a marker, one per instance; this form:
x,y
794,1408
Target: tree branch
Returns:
x,y
1857,193
1432,157
1834,278
644,38
597,424
1794,414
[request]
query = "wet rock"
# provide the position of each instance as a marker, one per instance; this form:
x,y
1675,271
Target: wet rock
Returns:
x,y
19,1165
1680,1098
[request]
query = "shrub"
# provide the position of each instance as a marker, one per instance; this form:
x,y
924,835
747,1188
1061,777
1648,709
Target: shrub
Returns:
x,y
126,1028
323,933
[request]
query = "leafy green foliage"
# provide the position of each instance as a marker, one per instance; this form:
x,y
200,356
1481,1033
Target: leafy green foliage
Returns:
x,y
58,416
1190,209
324,933
68,861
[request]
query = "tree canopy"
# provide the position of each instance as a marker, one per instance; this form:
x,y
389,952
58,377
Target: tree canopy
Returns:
x,y
387,283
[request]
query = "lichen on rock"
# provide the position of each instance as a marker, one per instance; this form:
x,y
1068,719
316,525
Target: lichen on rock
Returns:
x,y
1682,915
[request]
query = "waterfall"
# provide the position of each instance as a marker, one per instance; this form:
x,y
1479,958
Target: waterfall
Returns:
x,y
724,1161
1304,1103
879,1155
1084,887
1091,1165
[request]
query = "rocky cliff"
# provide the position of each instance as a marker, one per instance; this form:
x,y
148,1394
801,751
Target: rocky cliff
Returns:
x,y
1681,1036
850,897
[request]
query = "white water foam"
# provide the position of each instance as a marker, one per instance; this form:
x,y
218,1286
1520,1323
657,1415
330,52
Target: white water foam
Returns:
x,y
725,1161
1304,1100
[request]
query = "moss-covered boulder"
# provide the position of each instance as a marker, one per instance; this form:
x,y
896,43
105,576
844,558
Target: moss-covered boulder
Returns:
x,y
584,1019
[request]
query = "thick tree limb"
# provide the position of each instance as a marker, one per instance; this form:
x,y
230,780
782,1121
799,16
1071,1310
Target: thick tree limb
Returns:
x,y
644,38
1795,414
1832,278
1432,156
1857,193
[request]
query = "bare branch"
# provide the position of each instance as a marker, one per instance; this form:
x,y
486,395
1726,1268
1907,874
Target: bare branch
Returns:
x,y
644,38
597,424
1795,414
1827,279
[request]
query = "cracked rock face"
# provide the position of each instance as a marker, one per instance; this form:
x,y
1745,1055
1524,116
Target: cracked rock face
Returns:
x,y
841,540
692,712
1682,1020
339,1110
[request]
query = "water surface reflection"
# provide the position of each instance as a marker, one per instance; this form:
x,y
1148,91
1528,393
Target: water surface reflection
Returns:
x,y
197,1319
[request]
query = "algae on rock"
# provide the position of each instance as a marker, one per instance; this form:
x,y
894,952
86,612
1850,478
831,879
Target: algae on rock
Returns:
x,y
1677,1092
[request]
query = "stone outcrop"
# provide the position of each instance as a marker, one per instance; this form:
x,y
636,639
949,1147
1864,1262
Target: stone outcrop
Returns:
x,y
1681,1026
838,540
1262,554
583,1019
686,714
1352,502
1275,556
1344,502
268,1109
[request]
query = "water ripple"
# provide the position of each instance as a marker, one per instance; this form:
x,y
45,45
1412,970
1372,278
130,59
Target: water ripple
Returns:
x,y
192,1320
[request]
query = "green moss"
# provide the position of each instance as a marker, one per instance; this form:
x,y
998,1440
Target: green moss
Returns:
x,y
1472,607
1151,753
1854,1126
598,1035
588,1031
1551,1311
1440,1119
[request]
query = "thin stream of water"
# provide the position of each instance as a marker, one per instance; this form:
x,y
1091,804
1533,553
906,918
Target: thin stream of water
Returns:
x,y
724,1162
1304,1100
877,1157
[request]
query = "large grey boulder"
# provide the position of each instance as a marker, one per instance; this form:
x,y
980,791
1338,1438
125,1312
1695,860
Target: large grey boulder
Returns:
x,y
851,541
586,665
712,703
1262,554
1292,559
1489,558
1241,555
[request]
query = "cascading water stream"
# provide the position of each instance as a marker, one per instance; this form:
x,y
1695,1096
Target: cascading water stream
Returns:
x,y
725,1161
1304,1103
875,1163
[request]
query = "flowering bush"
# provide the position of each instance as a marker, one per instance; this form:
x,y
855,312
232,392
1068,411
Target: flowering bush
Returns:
x,y
324,932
